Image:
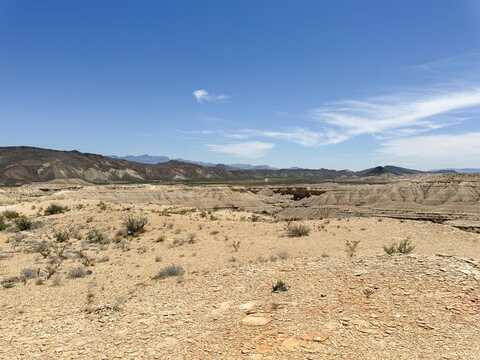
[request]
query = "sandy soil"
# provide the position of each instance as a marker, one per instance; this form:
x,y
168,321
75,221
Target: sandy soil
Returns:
x,y
221,305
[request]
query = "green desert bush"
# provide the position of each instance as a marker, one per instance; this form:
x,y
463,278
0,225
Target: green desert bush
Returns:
x,y
53,209
390,249
404,247
135,224
279,286
23,223
3,224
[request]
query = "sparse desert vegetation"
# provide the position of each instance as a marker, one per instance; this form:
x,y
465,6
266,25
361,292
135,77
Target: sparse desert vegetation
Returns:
x,y
54,209
169,271
404,247
240,180
224,269
23,223
298,230
135,225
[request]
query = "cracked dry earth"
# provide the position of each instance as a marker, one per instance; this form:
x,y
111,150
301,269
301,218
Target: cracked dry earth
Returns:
x,y
425,305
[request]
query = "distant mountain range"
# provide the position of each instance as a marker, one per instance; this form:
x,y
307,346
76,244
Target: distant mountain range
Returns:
x,y
464,171
153,159
143,159
23,164
383,170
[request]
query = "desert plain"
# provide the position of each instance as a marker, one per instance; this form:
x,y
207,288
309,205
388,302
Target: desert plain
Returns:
x,y
385,268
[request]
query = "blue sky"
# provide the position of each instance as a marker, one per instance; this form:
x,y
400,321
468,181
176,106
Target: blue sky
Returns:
x,y
335,84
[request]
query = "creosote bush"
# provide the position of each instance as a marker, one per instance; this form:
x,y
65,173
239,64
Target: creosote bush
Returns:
x,y
135,224
3,224
169,271
404,247
279,286
53,209
62,235
298,230
23,223
95,236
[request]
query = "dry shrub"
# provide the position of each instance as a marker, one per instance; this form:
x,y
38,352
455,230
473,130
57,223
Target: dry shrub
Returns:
x,y
95,236
404,247
9,214
351,247
23,223
62,235
279,286
135,224
54,209
169,271
78,272
298,230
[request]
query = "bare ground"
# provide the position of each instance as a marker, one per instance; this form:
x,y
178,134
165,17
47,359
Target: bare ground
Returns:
x,y
368,306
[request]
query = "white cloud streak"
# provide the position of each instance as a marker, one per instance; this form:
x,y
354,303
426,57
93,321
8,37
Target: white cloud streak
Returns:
x,y
299,136
395,115
246,150
202,96
434,151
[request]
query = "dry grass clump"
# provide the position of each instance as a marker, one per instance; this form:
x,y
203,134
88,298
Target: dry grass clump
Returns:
x,y
22,223
77,272
53,209
298,230
28,273
95,236
62,235
169,271
404,247
102,206
9,214
135,224
187,239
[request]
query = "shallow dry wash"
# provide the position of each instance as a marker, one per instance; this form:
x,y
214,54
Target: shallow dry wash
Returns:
x,y
101,293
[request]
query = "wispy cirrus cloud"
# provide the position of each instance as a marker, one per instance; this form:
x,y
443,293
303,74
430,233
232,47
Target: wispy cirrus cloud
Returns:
x,y
203,96
397,115
434,151
387,117
246,150
299,136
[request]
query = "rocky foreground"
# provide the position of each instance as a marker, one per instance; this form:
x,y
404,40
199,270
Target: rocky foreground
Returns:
x,y
158,272
374,308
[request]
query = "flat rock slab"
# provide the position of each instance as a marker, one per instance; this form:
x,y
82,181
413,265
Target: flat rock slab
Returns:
x,y
255,320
